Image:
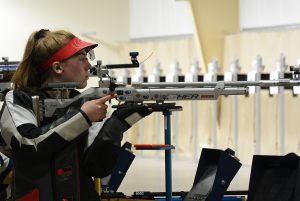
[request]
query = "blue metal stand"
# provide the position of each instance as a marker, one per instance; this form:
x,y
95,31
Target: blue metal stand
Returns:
x,y
166,109
168,156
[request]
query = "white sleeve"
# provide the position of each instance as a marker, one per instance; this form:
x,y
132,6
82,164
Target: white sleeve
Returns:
x,y
94,130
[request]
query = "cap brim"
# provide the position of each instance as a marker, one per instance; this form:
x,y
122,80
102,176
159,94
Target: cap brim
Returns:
x,y
74,46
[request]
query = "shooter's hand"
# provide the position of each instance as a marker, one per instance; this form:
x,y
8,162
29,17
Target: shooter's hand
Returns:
x,y
96,109
132,114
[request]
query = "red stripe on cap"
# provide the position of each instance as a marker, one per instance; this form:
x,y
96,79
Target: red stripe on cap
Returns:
x,y
74,46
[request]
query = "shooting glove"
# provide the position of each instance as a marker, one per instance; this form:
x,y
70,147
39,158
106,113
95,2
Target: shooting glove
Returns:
x,y
132,114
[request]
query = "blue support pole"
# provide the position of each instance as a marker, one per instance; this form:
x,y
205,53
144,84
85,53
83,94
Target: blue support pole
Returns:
x,y
168,157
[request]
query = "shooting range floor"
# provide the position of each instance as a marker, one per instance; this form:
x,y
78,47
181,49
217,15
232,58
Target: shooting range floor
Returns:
x,y
148,174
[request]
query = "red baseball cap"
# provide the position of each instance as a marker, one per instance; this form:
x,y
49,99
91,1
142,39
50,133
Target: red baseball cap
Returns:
x,y
74,46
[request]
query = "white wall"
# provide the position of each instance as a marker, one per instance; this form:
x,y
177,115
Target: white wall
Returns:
x,y
269,13
107,20
159,18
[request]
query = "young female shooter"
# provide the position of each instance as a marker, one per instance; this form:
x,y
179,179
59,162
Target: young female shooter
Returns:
x,y
55,159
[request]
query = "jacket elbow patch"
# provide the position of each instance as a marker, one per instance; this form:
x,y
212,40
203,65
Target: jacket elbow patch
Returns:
x,y
72,128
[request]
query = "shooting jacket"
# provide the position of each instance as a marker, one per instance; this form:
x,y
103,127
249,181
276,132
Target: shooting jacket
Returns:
x,y
55,160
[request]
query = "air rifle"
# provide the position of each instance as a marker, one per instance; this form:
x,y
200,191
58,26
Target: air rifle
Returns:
x,y
153,93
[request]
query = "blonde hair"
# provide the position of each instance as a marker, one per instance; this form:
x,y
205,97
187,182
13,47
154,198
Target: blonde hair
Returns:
x,y
40,46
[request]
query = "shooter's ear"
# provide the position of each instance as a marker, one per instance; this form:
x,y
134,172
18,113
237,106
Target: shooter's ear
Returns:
x,y
57,68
